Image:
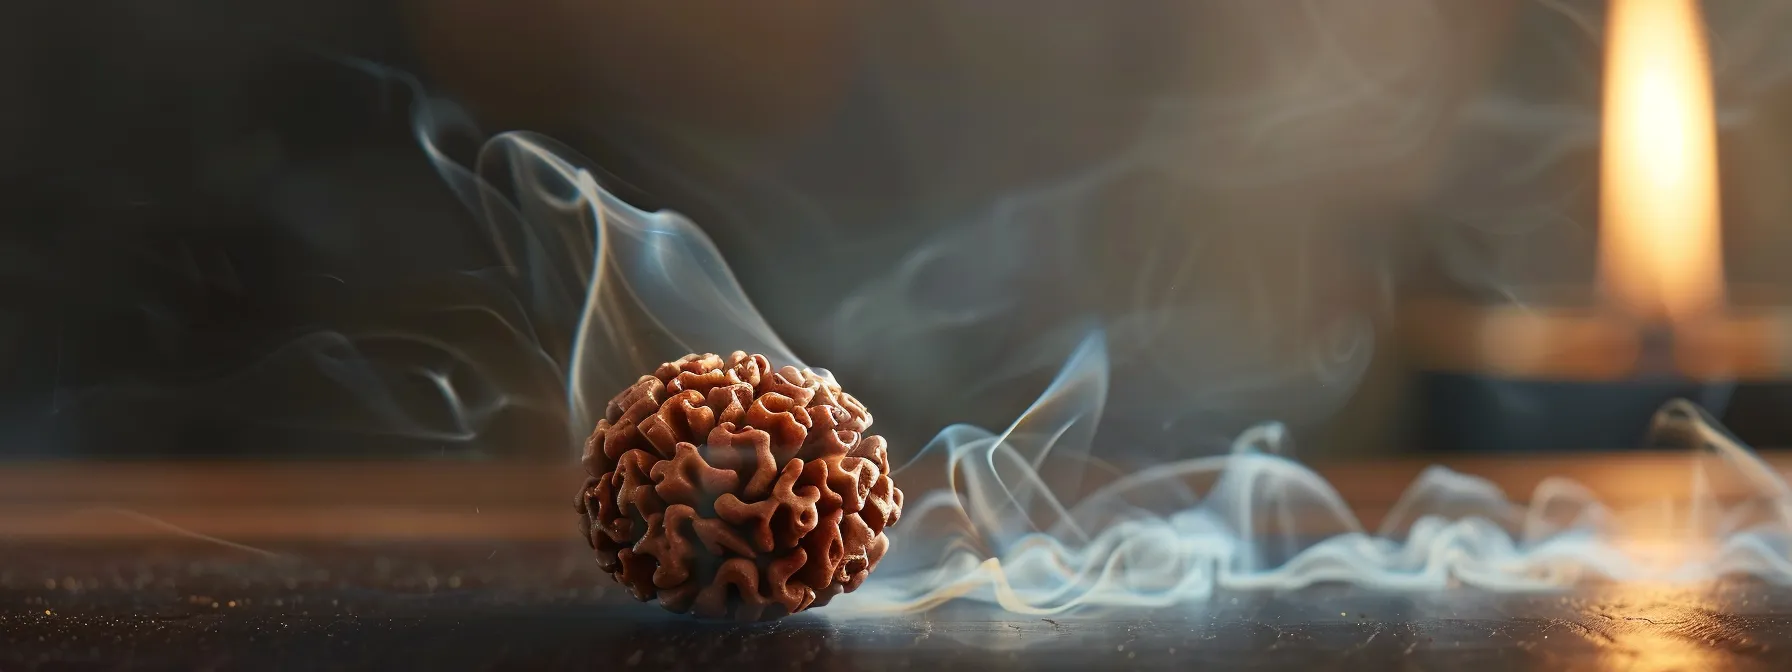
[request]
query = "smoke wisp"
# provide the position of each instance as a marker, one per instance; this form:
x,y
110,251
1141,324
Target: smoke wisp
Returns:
x,y
1262,521
1016,524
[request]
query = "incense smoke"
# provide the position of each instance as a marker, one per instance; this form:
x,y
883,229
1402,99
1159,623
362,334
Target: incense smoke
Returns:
x,y
1210,329
1153,538
1017,526
1035,518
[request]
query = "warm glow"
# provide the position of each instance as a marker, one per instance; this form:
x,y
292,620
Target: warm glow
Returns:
x,y
1659,254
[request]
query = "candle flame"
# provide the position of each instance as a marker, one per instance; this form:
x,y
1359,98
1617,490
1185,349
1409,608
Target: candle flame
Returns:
x,y
1659,253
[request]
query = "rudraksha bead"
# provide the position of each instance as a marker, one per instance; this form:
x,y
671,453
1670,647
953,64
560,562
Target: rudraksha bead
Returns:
x,y
726,489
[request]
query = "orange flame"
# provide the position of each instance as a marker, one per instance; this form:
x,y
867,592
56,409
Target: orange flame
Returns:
x,y
1660,255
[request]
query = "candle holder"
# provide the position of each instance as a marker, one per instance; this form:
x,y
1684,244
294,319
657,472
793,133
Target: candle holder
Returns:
x,y
1561,374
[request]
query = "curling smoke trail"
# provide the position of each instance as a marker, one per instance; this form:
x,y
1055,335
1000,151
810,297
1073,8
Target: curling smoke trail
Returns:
x,y
1150,539
633,285
1019,532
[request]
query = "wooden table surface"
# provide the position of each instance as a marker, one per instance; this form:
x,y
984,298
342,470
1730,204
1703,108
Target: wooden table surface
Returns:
x,y
464,565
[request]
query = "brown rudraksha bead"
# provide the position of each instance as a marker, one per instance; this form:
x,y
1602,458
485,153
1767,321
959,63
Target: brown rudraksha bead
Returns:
x,y
726,489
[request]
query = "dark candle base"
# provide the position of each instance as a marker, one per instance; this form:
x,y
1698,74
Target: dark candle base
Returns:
x,y
1485,414
1757,414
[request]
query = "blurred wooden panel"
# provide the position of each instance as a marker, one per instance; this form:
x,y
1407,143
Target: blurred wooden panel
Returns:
x,y
348,501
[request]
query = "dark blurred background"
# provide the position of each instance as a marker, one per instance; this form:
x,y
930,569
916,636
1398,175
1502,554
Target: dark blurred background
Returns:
x,y
214,241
